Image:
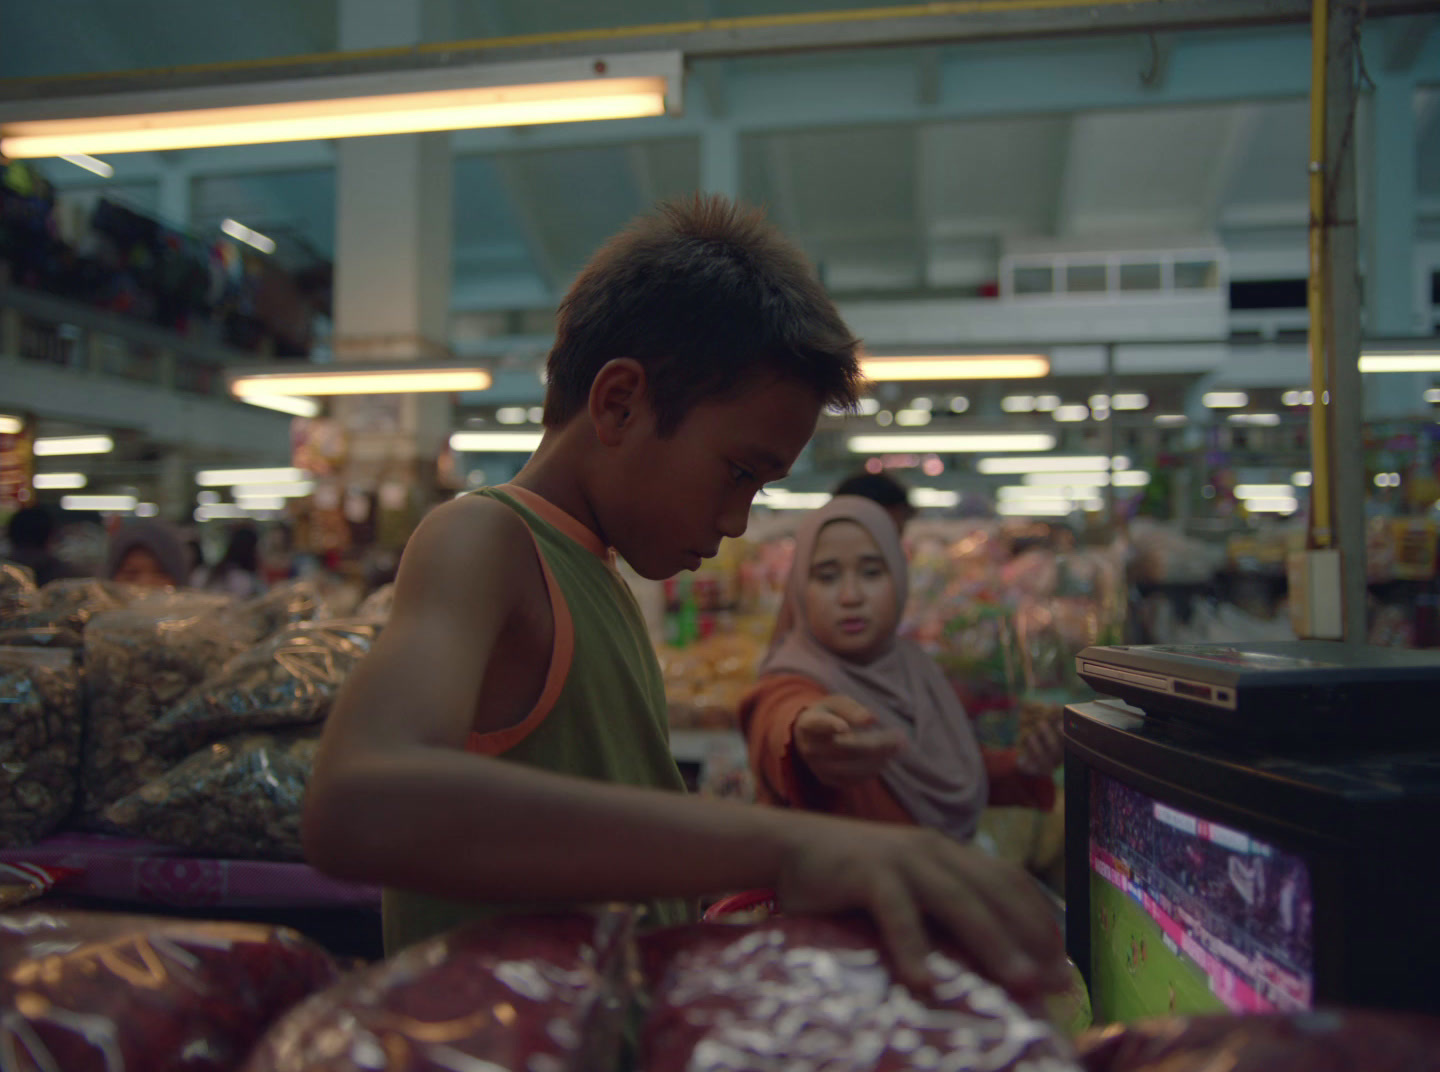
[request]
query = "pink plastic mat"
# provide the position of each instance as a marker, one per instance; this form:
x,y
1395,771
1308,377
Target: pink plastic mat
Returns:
x,y
122,869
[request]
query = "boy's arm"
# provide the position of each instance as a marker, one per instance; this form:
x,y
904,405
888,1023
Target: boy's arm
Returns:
x,y
394,798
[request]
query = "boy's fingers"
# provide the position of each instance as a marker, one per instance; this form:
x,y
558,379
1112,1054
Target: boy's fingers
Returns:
x,y
980,932
903,929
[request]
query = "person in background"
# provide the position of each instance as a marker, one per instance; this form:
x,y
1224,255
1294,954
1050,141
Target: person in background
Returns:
x,y
148,552
238,571
31,532
851,719
885,490
195,559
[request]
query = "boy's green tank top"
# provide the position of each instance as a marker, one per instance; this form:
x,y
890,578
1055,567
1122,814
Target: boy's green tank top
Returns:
x,y
602,714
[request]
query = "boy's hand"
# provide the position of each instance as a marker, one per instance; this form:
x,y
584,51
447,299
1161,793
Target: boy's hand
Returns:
x,y
1041,750
903,875
839,742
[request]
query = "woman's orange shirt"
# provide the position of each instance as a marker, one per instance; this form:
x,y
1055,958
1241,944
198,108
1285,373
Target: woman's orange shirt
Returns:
x,y
767,717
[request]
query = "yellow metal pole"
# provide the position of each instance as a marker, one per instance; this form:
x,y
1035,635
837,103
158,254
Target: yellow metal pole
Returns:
x,y
1321,520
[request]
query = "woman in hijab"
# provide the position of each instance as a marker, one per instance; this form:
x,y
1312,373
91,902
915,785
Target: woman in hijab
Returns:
x,y
850,718
148,552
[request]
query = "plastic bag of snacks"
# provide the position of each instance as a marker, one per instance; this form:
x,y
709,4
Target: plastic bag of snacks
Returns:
x,y
56,615
17,588
289,680
283,605
96,992
378,603
22,882
1321,1041
513,994
819,991
239,798
41,719
138,663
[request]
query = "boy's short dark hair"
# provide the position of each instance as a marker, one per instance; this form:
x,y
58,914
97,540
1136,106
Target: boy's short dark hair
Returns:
x,y
31,527
709,298
877,487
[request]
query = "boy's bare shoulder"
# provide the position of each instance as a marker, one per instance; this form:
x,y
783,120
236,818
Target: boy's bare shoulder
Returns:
x,y
467,541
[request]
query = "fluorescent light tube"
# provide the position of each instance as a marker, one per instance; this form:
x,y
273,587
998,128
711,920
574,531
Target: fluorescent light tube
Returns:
x,y
1413,361
1078,463
238,231
112,504
1225,399
296,489
219,478
54,446
912,418
11,425
361,380
339,117
1278,505
297,405
1262,491
59,481
90,164
495,442
1071,414
982,367
961,443
936,497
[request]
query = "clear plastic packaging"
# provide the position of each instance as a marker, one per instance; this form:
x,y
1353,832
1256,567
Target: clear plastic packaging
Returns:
x,y
56,615
289,680
91,992
239,798
138,663
512,994
41,721
282,606
818,991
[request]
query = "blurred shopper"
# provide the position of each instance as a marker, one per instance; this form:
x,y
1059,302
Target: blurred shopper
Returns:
x,y
148,552
883,489
32,543
238,571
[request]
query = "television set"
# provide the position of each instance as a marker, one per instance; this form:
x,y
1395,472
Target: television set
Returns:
x,y
1204,875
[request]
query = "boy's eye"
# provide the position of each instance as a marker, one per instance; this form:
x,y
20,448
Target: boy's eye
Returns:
x,y
740,474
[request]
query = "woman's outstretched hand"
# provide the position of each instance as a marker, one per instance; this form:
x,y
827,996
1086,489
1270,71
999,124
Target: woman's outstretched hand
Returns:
x,y
842,744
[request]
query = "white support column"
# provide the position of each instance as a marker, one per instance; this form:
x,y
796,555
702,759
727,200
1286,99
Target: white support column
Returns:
x,y
392,266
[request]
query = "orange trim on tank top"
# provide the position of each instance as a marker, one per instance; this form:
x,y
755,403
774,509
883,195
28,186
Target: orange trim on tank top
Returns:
x,y
585,537
562,652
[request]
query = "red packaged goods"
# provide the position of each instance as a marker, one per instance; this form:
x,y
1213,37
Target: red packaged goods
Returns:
x,y
90,992
521,993
1321,1041
804,993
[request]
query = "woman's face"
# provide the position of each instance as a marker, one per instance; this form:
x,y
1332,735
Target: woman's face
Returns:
x,y
140,566
850,599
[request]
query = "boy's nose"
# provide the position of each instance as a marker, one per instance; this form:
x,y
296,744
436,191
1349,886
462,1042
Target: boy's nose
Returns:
x,y
734,519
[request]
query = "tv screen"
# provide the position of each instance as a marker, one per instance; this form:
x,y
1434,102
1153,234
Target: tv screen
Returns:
x,y
1188,916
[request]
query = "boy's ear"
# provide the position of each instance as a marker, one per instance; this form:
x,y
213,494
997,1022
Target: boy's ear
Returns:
x,y
615,398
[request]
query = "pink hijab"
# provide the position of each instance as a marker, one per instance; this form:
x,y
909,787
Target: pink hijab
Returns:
x,y
939,776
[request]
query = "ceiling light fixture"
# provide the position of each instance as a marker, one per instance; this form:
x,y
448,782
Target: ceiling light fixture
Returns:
x,y
1071,414
1302,479
296,405
1262,420
59,481
1401,361
1262,491
361,379
954,367
1018,403
495,442
1136,400
219,478
106,504
405,101
1278,505
1433,395
238,231
295,489
1078,463
1224,399
963,443
783,499
912,418
1080,489
54,446
90,164
959,404
936,497
1170,420
11,425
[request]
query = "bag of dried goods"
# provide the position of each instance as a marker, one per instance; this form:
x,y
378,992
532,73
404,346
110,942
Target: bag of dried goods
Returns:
x,y
238,798
40,729
283,605
510,994
818,993
17,588
289,680
91,992
138,662
60,611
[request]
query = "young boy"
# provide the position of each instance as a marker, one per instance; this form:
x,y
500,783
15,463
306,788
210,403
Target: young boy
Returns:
x,y
506,744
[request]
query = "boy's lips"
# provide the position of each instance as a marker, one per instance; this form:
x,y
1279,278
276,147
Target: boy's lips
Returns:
x,y
853,625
